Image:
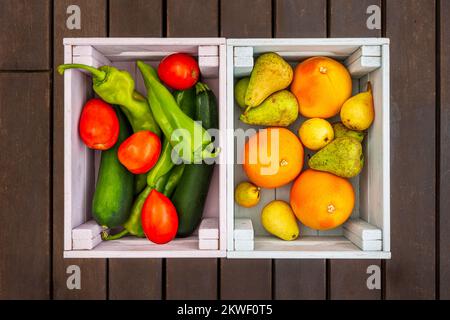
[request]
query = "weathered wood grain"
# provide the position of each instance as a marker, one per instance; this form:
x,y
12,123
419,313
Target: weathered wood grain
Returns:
x,y
135,18
25,37
194,18
300,18
191,279
250,18
201,281
300,279
444,177
93,271
348,19
410,25
25,185
245,279
135,278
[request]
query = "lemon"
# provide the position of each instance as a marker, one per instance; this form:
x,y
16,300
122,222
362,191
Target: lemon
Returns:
x,y
316,133
247,195
278,219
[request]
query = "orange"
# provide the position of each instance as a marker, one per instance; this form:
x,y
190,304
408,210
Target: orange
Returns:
x,y
321,200
273,157
321,86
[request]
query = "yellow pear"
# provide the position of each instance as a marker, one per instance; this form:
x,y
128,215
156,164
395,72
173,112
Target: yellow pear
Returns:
x,y
247,194
357,113
278,219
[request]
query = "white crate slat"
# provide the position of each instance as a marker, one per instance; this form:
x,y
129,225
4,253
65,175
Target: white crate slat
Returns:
x,y
208,244
363,66
362,229
204,51
89,51
88,230
86,244
243,66
243,229
244,245
368,51
209,229
365,245
243,51
208,66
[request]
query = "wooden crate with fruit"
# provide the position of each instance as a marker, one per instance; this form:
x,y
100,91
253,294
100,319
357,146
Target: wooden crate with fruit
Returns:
x,y
310,148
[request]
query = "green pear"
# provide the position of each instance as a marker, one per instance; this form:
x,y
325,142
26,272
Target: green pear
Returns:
x,y
270,74
279,109
342,157
278,219
342,131
239,91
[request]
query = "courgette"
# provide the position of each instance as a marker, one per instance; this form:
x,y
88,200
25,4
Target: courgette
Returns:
x,y
113,194
192,189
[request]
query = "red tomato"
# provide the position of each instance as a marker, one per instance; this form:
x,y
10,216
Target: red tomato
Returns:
x,y
179,71
159,218
99,125
140,151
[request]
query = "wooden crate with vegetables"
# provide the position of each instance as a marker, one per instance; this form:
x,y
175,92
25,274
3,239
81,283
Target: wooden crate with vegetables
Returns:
x,y
145,147
310,148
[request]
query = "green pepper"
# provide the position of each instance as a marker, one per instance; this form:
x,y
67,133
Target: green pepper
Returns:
x,y
133,225
183,133
174,177
117,87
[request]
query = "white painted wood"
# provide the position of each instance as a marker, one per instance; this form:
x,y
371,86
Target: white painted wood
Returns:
x,y
243,229
67,152
89,51
86,244
362,229
243,66
209,229
208,244
368,51
230,149
209,66
366,245
363,66
244,245
88,230
243,51
204,51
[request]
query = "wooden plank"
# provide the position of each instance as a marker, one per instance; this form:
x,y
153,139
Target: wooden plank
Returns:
x,y
140,278
300,18
93,271
444,205
245,279
348,19
300,279
135,279
191,279
25,41
348,280
200,281
136,18
25,185
410,25
194,18
250,18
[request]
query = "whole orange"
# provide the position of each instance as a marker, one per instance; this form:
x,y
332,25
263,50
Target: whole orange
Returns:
x,y
321,200
273,157
321,86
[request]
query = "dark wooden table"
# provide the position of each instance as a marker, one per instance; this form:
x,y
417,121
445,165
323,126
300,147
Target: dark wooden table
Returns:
x,y
31,151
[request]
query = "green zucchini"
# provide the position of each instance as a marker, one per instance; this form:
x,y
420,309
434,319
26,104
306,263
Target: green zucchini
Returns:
x,y
186,101
192,189
114,191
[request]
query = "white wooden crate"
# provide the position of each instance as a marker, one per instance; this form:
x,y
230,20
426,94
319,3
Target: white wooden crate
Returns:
x,y
367,59
80,166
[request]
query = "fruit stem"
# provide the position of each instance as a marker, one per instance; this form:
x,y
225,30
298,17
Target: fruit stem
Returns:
x,y
331,208
369,87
